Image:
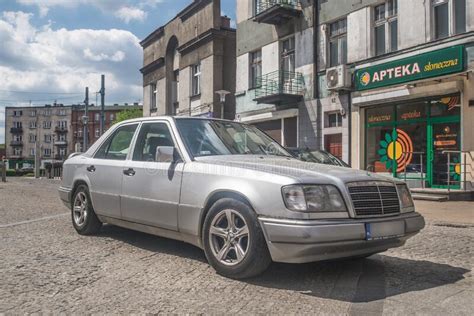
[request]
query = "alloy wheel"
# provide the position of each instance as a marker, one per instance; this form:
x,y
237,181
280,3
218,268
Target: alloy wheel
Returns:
x,y
229,237
80,209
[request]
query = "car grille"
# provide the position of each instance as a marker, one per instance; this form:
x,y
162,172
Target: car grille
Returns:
x,y
374,199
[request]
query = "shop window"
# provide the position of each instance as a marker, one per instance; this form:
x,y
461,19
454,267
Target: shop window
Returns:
x,y
380,114
411,111
338,43
333,144
446,106
386,27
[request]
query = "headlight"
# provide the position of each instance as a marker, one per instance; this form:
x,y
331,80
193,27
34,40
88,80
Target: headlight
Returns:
x,y
406,202
313,198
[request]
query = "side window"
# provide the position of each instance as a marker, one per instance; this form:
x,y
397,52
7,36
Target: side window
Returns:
x,y
150,137
118,145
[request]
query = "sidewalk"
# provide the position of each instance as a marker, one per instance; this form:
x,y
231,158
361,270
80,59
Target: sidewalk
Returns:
x,y
449,212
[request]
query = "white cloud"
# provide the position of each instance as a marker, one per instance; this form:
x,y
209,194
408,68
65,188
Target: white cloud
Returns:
x,y
61,60
128,14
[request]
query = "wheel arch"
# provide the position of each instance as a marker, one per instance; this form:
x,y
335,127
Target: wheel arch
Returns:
x,y
75,185
216,196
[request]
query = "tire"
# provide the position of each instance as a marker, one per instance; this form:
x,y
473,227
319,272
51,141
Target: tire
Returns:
x,y
83,217
234,254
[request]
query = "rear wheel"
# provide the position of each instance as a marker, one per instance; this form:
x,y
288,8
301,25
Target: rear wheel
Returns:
x,y
233,240
84,219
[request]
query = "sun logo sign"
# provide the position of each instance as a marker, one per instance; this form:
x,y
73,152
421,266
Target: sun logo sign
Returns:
x,y
455,170
396,150
365,78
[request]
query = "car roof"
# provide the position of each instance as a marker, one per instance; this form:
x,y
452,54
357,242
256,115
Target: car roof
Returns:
x,y
171,118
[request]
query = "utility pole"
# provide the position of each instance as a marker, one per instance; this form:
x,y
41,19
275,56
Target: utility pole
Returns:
x,y
85,121
37,148
102,105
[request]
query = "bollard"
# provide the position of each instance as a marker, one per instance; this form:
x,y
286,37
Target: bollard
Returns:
x,y
4,170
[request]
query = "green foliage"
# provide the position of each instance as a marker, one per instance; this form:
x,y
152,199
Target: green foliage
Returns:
x,y
11,172
29,174
2,146
128,114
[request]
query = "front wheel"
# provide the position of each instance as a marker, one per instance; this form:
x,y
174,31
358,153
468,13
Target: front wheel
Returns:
x,y
84,219
233,240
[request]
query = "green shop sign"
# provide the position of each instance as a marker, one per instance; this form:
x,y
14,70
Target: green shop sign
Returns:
x,y
432,64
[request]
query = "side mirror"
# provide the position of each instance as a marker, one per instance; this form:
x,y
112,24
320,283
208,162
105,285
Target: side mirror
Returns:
x,y
165,154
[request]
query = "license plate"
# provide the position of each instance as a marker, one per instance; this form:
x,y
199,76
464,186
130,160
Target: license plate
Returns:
x,y
384,230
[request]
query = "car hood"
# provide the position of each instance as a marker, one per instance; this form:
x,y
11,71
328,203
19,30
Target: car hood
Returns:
x,y
302,172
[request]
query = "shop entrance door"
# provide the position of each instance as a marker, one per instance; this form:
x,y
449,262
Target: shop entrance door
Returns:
x,y
444,136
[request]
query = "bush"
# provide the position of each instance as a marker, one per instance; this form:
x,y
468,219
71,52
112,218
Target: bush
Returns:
x,y
11,172
29,174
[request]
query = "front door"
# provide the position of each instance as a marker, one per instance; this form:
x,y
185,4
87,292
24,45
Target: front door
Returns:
x,y
445,169
150,189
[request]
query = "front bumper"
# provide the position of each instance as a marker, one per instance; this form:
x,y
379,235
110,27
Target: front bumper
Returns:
x,y
65,195
298,241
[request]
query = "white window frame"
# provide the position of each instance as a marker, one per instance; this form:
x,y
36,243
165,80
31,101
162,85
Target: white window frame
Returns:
x,y
196,79
47,152
255,69
97,117
97,133
339,119
451,18
153,96
385,22
338,37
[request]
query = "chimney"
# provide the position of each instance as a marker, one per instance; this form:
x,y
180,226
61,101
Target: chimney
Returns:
x,y
225,22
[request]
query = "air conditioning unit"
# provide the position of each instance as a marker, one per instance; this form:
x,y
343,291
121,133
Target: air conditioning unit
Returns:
x,y
338,78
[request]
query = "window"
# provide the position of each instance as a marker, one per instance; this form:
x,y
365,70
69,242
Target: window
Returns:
x,y
97,133
47,138
47,124
449,17
196,79
334,119
62,112
32,138
33,113
112,117
79,133
386,27
17,113
62,124
62,152
47,112
255,69
288,55
338,43
47,152
97,117
151,136
153,96
32,124
17,125
32,151
17,151
117,146
62,138
17,138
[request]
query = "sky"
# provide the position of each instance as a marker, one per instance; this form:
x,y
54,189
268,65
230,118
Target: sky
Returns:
x,y
50,50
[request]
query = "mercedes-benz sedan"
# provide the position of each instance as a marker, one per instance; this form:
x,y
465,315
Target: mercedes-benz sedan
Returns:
x,y
230,189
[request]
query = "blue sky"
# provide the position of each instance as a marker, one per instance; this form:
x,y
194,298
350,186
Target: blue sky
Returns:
x,y
52,49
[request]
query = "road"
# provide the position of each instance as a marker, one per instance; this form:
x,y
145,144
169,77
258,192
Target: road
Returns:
x,y
46,267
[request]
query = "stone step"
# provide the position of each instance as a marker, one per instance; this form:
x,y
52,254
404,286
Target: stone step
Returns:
x,y
429,197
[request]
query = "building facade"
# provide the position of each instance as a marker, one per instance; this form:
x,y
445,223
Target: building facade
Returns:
x,y
409,109
187,61
275,88
93,122
43,132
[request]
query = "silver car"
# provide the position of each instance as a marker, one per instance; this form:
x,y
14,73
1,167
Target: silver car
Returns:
x,y
231,190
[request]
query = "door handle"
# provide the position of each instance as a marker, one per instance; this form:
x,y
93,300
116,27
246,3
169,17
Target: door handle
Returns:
x,y
129,172
91,168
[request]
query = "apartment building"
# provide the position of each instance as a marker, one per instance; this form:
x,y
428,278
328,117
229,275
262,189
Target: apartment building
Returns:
x,y
44,130
402,71
93,121
275,88
188,61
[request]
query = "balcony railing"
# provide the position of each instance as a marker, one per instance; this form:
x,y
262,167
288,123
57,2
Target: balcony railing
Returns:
x,y
16,130
16,143
60,143
59,129
280,87
276,11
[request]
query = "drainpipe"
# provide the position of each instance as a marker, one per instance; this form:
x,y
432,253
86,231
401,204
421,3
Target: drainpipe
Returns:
x,y
315,69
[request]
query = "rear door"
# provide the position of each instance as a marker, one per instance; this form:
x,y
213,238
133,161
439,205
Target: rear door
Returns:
x,y
150,189
105,171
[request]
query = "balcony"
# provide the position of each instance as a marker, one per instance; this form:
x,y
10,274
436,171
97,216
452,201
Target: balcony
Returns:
x,y
276,12
280,87
16,143
16,130
60,143
60,157
59,129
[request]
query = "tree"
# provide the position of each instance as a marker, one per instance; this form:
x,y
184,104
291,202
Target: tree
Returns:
x,y
128,114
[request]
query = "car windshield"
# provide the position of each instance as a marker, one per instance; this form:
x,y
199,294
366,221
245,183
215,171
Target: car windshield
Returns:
x,y
213,137
318,156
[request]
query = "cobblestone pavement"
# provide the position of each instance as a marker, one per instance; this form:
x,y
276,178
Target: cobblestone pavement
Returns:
x,y
46,267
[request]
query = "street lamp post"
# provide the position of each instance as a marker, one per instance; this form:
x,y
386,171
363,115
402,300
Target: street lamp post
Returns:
x,y
222,94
